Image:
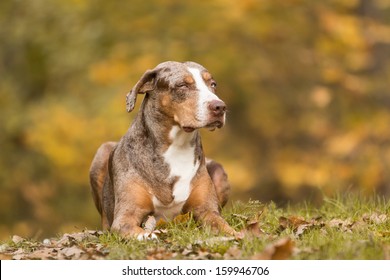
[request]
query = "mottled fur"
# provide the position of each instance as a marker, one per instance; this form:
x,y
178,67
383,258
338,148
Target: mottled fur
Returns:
x,y
127,176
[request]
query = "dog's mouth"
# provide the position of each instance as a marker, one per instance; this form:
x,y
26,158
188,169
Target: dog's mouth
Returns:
x,y
210,126
188,129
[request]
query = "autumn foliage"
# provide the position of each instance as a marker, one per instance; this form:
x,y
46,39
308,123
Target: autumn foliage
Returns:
x,y
306,84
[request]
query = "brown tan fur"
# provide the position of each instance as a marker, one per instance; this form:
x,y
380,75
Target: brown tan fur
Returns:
x,y
127,176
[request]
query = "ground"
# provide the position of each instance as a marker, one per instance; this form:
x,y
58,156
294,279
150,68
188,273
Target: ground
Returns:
x,y
341,228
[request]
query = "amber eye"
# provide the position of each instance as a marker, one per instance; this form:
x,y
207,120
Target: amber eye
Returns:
x,y
213,84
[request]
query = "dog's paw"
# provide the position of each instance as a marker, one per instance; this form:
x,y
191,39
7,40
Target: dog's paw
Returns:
x,y
147,236
149,230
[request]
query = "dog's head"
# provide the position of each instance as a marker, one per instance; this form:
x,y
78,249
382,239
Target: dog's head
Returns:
x,y
183,92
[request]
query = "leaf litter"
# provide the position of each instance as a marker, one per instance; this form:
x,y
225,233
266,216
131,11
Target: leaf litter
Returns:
x,y
79,245
254,229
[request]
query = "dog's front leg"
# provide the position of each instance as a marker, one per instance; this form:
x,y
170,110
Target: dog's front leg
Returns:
x,y
132,205
203,203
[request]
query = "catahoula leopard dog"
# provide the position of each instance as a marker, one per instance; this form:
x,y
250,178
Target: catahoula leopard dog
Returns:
x,y
159,168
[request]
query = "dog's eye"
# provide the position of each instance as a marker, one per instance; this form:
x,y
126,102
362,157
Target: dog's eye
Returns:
x,y
213,84
182,86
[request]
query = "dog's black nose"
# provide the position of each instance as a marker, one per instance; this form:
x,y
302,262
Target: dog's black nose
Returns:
x,y
217,107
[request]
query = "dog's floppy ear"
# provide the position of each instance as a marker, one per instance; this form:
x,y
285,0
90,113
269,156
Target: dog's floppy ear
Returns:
x,y
145,84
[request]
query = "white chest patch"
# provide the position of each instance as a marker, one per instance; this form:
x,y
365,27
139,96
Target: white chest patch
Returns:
x,y
180,156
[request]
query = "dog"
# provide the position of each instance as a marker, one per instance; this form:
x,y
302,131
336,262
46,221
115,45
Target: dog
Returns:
x,y
158,167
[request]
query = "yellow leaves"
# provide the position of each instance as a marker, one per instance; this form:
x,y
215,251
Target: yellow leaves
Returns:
x,y
350,4
237,9
117,67
107,72
344,144
343,31
378,32
69,138
54,132
181,219
321,96
344,28
294,174
240,176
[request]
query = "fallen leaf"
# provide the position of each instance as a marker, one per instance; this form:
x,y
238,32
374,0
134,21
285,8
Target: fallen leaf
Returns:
x,y
17,239
343,225
375,218
335,223
161,223
214,240
42,254
204,255
282,249
383,233
252,229
233,253
20,254
5,257
160,253
291,222
299,225
181,219
72,252
301,230
187,252
4,248
66,240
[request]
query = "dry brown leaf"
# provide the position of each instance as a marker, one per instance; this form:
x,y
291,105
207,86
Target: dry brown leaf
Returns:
x,y
252,229
181,219
299,225
5,257
161,223
43,254
187,252
335,223
17,239
66,240
233,253
203,254
383,233
19,254
301,230
291,222
160,253
72,252
343,225
375,218
4,248
214,240
282,249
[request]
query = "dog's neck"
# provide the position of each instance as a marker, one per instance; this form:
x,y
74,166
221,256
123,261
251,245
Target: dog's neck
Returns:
x,y
163,129
173,155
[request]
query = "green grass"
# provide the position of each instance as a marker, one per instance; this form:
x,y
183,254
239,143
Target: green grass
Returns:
x,y
341,228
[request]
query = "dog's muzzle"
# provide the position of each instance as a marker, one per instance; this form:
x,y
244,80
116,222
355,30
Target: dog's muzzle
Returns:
x,y
217,108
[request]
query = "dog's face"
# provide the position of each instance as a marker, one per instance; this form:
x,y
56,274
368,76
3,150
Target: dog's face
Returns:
x,y
184,92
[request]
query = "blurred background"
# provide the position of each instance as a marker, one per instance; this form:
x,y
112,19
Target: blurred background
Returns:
x,y
306,83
